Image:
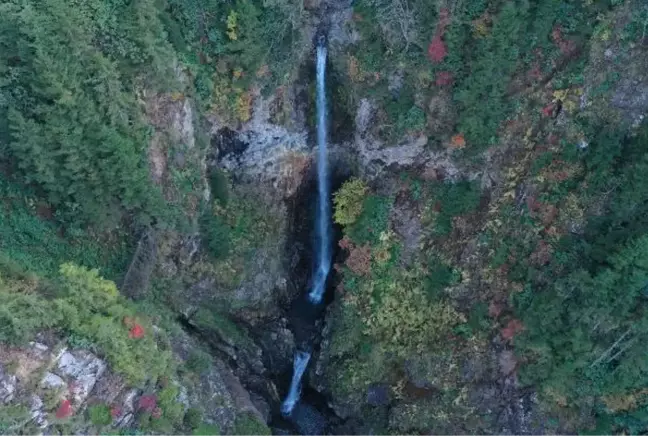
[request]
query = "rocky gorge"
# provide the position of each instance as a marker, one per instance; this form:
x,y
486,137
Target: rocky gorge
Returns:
x,y
420,328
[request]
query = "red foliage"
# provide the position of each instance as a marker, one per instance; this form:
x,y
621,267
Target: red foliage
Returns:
x,y
115,411
64,410
548,110
532,204
148,402
136,332
513,327
566,46
443,78
542,254
437,49
345,243
495,309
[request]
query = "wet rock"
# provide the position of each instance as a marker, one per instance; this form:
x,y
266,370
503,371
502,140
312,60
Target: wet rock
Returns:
x,y
278,346
378,395
308,420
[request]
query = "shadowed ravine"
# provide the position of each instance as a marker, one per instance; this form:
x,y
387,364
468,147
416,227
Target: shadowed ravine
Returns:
x,y
322,225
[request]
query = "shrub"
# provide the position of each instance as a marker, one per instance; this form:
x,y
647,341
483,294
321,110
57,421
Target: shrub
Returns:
x,y
206,430
248,424
372,221
455,199
198,362
193,418
348,201
413,121
219,185
100,415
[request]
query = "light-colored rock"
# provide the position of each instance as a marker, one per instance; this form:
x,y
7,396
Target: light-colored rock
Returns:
x,y
52,381
82,369
126,408
266,150
8,385
37,412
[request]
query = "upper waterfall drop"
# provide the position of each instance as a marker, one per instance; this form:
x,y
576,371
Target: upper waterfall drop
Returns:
x,y
323,217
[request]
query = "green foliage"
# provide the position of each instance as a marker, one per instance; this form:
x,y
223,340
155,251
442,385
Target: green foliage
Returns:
x,y
217,236
413,121
88,307
38,245
13,417
235,231
198,362
219,323
172,409
241,37
248,424
348,201
219,185
193,418
372,221
454,199
71,123
439,276
206,430
99,415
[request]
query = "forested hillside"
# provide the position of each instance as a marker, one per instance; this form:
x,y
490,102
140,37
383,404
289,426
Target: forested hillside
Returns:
x,y
491,273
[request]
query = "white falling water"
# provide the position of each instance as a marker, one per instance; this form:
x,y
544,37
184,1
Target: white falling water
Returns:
x,y
322,225
323,217
299,366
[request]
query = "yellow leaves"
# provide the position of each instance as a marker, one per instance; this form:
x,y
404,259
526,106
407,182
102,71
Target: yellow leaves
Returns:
x,y
177,96
570,98
403,318
348,201
232,24
244,107
354,68
481,26
624,402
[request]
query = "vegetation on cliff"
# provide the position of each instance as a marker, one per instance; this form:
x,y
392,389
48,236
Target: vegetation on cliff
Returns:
x,y
512,261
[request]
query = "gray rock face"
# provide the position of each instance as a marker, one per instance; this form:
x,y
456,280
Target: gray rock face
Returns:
x,y
261,150
8,384
83,369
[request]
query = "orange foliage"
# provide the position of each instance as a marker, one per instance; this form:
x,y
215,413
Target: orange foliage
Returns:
x,y
458,141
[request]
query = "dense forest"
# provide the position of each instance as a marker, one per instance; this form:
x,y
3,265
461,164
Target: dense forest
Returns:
x,y
519,230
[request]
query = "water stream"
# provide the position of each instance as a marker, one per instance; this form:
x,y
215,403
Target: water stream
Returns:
x,y
323,226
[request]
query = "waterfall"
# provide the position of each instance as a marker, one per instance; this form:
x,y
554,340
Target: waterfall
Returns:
x,y
323,217
323,227
299,366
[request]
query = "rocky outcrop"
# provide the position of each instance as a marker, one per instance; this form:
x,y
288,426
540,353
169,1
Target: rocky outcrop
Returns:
x,y
47,383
